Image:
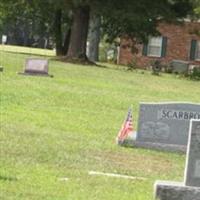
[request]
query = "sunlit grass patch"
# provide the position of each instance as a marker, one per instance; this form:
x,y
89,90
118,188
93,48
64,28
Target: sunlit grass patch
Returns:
x,y
66,126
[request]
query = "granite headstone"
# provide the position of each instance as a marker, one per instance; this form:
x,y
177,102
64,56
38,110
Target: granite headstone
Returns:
x,y
192,172
190,188
36,66
165,126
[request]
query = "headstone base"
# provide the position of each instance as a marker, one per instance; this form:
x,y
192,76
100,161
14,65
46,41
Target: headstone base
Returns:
x,y
156,146
35,74
175,191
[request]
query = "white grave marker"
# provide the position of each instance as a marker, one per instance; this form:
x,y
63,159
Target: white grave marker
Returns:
x,y
4,39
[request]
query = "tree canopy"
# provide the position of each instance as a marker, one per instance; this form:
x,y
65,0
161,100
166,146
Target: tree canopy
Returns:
x,y
67,21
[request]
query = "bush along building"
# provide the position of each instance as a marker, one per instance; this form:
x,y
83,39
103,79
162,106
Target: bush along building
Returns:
x,y
176,42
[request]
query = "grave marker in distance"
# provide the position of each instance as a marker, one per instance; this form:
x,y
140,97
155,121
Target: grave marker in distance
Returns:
x,y
36,66
4,39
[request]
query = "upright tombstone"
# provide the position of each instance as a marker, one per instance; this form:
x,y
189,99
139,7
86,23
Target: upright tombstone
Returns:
x,y
192,172
165,126
36,66
190,189
4,39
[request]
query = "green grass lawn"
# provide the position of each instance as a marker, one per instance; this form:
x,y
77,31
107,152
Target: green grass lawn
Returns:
x,y
27,50
51,128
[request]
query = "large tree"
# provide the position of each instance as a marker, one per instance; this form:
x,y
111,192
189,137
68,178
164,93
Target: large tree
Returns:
x,y
25,21
197,8
79,32
30,23
94,37
67,21
134,18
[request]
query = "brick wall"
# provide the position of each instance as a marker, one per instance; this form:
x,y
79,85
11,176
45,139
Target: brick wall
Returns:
x,y
178,45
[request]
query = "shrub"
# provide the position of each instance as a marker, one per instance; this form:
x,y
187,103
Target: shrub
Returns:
x,y
132,65
195,74
156,67
168,69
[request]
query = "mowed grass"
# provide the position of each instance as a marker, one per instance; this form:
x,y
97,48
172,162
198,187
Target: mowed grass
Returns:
x,y
27,50
64,127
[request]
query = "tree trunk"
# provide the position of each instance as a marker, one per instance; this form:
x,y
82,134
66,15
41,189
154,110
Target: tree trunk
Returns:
x,y
79,32
66,42
25,34
94,38
58,32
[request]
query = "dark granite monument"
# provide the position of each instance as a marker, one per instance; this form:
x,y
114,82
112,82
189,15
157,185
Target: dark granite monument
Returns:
x,y
190,189
165,126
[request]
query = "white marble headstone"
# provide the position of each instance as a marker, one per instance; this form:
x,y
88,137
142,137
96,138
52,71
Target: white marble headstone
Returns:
x,y
4,39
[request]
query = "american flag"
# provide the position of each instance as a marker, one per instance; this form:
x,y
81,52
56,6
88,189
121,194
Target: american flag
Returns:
x,y
126,129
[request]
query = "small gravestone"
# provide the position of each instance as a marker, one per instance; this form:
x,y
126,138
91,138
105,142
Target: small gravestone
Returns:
x,y
190,189
165,126
4,39
36,66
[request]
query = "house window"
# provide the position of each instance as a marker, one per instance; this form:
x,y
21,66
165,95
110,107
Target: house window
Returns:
x,y
154,47
195,50
197,53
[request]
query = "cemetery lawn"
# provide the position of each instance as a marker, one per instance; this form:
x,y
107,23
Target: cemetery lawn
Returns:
x,y
64,127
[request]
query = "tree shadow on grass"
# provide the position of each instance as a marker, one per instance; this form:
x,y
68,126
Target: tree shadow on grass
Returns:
x,y
7,178
29,54
83,62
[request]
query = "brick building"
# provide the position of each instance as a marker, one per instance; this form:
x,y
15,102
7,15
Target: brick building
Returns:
x,y
177,42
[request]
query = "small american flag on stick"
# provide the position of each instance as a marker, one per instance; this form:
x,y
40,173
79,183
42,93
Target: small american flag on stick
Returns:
x,y
126,129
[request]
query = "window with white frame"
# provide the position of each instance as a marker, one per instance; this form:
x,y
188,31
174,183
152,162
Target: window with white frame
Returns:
x,y
154,46
197,53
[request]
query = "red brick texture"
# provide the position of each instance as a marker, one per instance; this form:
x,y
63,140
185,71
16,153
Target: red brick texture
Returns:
x,y
179,39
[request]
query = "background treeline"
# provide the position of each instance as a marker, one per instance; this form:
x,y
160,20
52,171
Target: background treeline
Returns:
x,y
68,25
